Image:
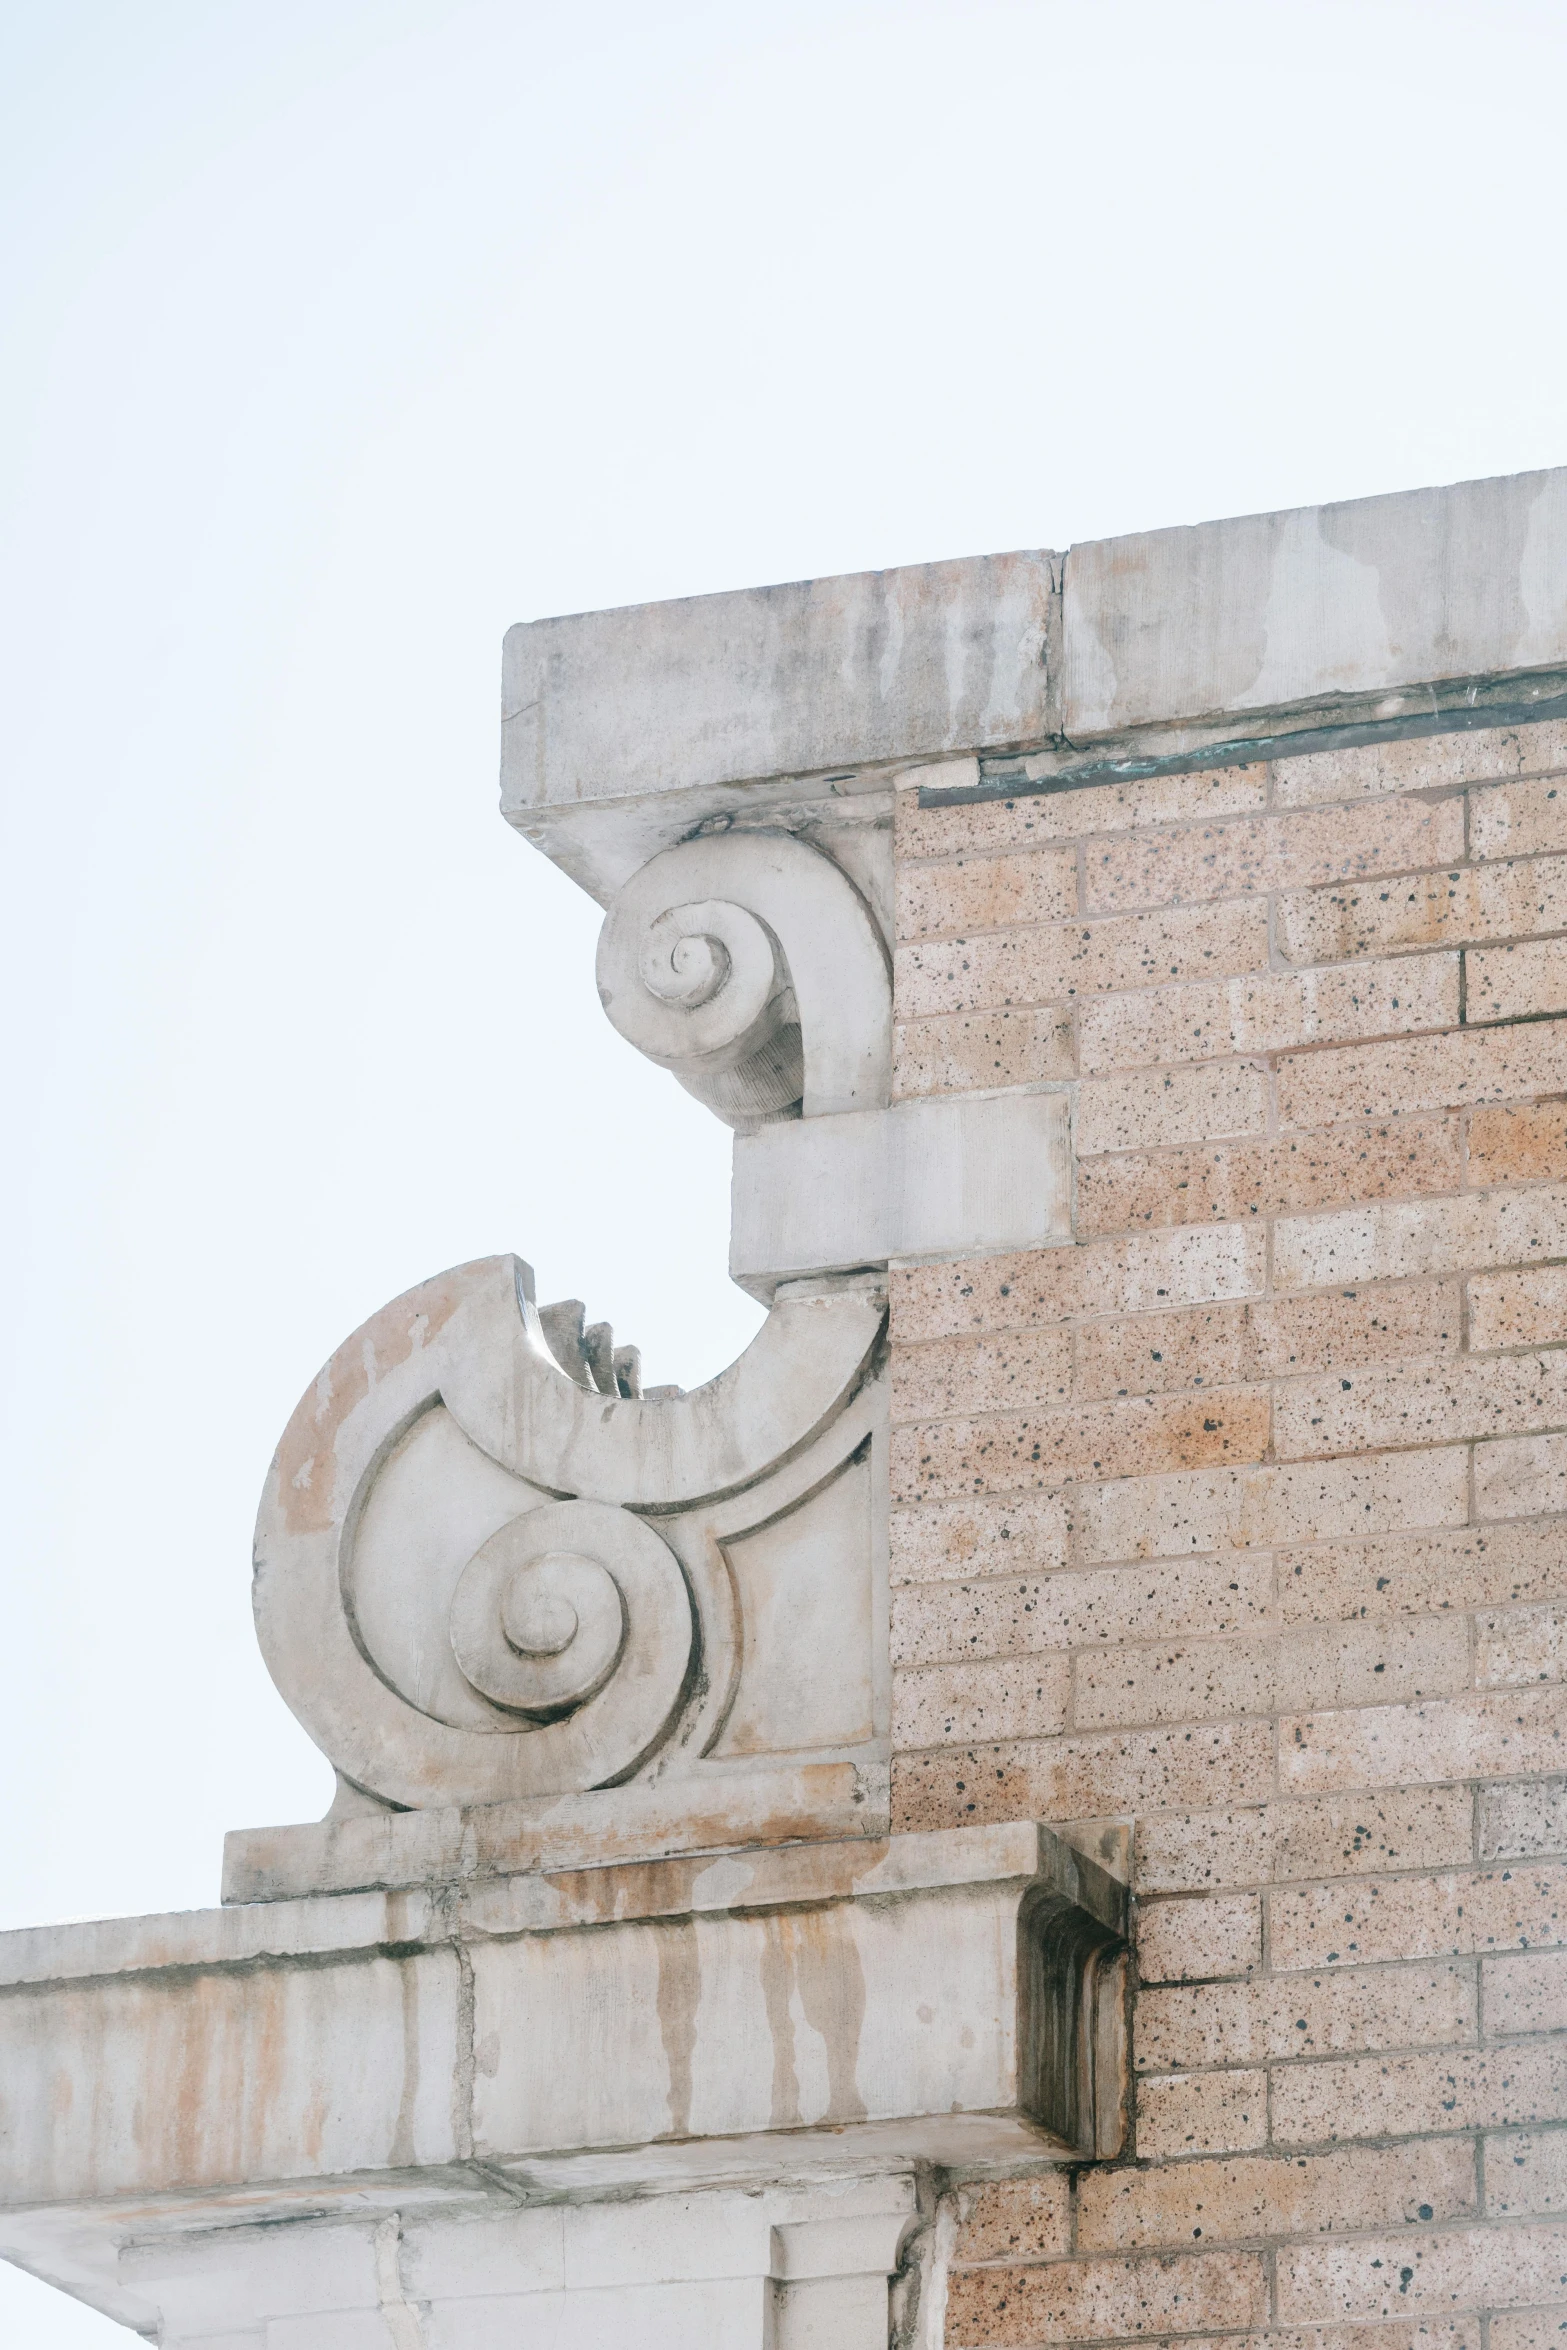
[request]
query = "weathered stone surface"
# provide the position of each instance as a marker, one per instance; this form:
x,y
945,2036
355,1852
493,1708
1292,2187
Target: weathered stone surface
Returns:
x,y
654,711
920,1999
1325,601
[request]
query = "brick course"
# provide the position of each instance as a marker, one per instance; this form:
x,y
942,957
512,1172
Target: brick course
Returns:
x,y
1243,1520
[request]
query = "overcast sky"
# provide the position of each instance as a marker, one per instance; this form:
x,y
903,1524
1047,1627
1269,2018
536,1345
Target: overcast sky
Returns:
x,y
339,335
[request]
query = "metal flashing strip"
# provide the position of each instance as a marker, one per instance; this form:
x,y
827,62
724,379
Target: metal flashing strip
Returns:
x,y
996,783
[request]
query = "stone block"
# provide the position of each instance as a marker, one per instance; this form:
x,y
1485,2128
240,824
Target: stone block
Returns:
x,y
968,893
812,1195
1421,763
1357,598
1417,1156
1266,2195
1272,2019
1423,1073
1202,2113
1266,853
1199,1940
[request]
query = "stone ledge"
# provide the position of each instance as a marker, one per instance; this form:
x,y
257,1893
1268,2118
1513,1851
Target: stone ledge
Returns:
x,y
797,705
451,1844
922,1985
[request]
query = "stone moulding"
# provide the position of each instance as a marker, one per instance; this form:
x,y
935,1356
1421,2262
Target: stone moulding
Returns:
x,y
843,2007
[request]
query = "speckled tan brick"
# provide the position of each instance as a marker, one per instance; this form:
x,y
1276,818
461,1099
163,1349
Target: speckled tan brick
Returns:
x,y
1202,2113
1310,1836
1149,1354
1081,1777
1017,1292
1526,1993
1491,1735
1273,2195
1071,2300
1014,2219
1015,1615
1442,1572
1199,1940
1451,1913
1526,2175
1521,1822
1461,905
1373,1664
1516,1646
1149,1271
1269,2019
1437,2269
986,971
1526,1308
1150,1108
1219,1510
1174,1681
1340,1836
1406,2096
1024,1370
1527,1145
1031,818
1432,2334
1129,1437
960,1053
1223,1345
977,1537
1064,962
1521,819
1283,852
1423,1073
1419,1403
1417,763
996,1697
1514,982
1196,1852
1268,1012
1414,1156
1521,1477
1529,2329
986,893
1402,1239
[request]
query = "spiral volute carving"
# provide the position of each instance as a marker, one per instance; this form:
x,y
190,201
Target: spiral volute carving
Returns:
x,y
750,967
481,1578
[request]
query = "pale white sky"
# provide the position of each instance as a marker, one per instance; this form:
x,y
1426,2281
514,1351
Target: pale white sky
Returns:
x,y
341,333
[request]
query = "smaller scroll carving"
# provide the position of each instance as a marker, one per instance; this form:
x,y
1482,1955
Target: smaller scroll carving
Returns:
x,y
749,965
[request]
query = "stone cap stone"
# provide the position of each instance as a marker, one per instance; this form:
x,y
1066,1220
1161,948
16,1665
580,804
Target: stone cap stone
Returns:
x,y
1274,611
625,730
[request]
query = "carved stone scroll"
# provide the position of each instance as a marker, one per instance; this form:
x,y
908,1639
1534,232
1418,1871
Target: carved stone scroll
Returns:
x,y
478,1580
750,966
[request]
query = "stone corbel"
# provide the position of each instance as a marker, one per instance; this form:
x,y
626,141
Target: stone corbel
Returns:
x,y
751,966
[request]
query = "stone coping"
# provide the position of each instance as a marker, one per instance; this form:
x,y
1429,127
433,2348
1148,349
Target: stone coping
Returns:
x,y
796,704
797,1875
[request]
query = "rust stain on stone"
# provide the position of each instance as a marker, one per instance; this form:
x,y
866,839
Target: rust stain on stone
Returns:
x,y
403,2152
679,1996
832,1998
305,1462
777,1986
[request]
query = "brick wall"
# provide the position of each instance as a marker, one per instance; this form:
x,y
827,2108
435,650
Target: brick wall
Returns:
x,y
1242,1519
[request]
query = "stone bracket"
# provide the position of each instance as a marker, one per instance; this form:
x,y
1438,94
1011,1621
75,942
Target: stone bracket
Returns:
x,y
929,1178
